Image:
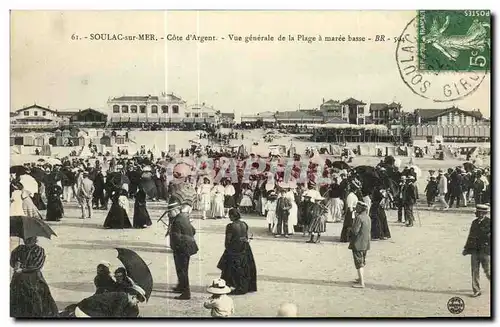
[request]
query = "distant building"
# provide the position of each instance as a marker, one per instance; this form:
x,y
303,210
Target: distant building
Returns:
x,y
449,116
163,108
299,117
331,109
385,114
354,111
201,113
227,118
89,117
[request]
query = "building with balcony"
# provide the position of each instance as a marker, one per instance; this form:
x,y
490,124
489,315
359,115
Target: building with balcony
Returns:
x,y
201,113
146,109
331,109
385,114
35,117
353,111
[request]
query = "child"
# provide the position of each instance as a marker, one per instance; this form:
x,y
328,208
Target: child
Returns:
x,y
431,191
270,210
220,304
246,203
103,281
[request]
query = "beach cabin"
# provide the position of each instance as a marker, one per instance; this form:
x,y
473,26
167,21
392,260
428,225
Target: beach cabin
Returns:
x,y
46,150
66,133
105,140
40,140
58,133
18,140
28,140
12,140
60,141
120,139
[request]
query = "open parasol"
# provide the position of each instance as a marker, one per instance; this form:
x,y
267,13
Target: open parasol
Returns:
x,y
137,269
29,183
340,165
18,170
26,227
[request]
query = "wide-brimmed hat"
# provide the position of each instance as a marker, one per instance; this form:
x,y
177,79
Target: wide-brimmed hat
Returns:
x,y
218,287
137,291
440,171
482,208
319,198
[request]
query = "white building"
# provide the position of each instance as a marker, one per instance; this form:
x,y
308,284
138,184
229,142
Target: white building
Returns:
x,y
159,109
34,117
201,113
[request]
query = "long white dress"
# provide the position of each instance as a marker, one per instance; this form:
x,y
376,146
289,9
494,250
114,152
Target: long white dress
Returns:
x,y
271,214
217,206
16,204
204,191
293,213
246,200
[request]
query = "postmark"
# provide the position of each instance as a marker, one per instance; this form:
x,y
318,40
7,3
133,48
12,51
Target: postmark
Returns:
x,y
461,37
443,81
456,305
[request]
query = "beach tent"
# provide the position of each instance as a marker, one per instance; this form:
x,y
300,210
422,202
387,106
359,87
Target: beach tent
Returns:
x,y
84,152
242,151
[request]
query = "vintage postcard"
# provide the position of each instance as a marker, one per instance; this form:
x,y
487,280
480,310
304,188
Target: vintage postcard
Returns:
x,y
250,164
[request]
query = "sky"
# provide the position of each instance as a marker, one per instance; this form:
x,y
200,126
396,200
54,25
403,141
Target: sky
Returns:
x,y
51,69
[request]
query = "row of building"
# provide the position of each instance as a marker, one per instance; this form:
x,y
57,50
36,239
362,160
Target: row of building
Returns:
x,y
356,112
169,108
166,108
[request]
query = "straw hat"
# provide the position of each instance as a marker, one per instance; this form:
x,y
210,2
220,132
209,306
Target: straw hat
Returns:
x,y
218,287
482,208
137,291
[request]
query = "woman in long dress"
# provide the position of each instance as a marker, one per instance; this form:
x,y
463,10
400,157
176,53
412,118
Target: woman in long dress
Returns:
x,y
270,211
29,207
229,202
217,205
141,214
55,209
30,295
204,194
237,264
380,227
334,203
117,217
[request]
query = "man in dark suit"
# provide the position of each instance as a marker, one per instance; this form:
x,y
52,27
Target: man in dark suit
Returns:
x,y
360,241
183,245
410,196
478,246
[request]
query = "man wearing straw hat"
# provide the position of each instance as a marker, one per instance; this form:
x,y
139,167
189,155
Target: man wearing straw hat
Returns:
x,y
478,246
183,245
220,304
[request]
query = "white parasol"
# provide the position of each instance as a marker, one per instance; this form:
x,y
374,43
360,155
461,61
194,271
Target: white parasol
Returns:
x,y
29,183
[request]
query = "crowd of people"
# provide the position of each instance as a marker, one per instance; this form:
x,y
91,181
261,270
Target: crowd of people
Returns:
x,y
357,198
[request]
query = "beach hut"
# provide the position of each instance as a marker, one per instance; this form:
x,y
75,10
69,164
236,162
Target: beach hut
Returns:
x,y
39,140
18,140
12,140
28,140
171,148
57,133
66,133
60,141
53,141
120,139
46,150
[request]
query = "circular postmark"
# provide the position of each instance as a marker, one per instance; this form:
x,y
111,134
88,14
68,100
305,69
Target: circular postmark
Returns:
x,y
456,305
445,82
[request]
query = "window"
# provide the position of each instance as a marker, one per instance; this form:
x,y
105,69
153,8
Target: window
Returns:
x,y
26,113
125,109
133,109
175,109
164,109
196,115
44,113
188,115
142,109
116,109
36,113
154,109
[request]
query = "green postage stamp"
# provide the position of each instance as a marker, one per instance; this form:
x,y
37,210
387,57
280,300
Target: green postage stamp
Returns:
x,y
454,40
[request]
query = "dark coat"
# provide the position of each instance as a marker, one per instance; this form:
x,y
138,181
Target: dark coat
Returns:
x,y
410,194
479,236
182,235
361,233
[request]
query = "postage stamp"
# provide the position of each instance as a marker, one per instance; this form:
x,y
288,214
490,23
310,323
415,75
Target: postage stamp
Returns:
x,y
454,40
441,80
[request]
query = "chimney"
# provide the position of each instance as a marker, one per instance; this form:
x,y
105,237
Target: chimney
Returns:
x,y
323,100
